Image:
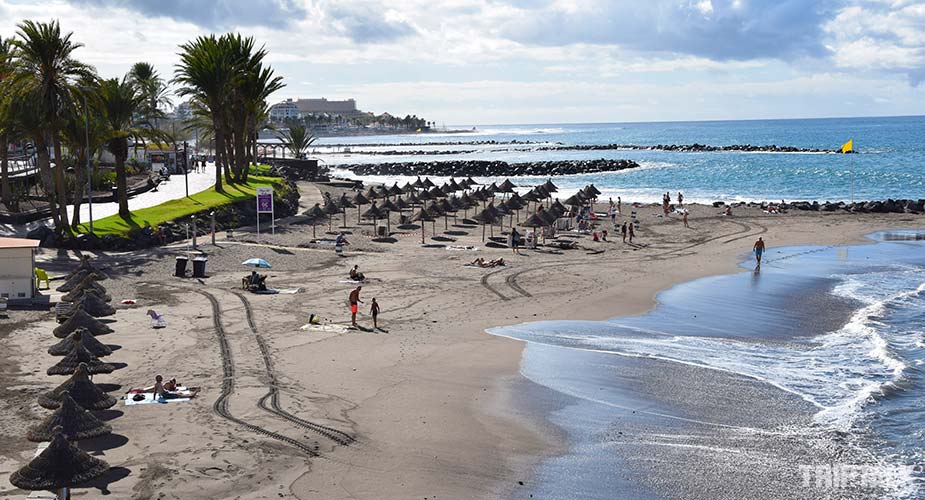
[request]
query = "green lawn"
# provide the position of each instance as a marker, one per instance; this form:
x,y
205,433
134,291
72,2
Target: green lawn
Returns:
x,y
175,209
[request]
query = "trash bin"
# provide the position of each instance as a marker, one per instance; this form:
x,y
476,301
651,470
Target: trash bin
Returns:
x,y
181,266
199,267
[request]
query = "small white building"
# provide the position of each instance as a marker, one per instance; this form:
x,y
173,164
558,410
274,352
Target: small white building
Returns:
x,y
17,268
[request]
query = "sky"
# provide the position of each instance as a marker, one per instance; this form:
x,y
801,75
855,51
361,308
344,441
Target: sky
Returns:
x,y
540,61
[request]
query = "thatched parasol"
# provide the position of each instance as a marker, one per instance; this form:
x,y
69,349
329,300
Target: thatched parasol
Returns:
x,y
359,200
92,305
455,186
556,205
386,208
84,338
413,199
507,186
493,188
574,201
446,188
401,204
425,195
423,215
58,467
76,423
344,203
446,208
590,189
437,193
79,355
428,183
550,187
374,214
534,221
371,193
86,267
383,191
418,183
75,294
85,393
331,209
407,188
315,213
471,182
395,190
80,319
487,216
75,280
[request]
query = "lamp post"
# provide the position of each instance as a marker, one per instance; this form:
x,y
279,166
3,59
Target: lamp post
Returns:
x,y
186,167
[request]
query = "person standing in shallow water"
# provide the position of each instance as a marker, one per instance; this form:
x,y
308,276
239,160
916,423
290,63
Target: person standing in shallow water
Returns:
x,y
759,251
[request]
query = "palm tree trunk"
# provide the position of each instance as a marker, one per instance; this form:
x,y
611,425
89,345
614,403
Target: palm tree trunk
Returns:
x,y
240,153
6,194
122,188
44,163
60,187
218,139
79,189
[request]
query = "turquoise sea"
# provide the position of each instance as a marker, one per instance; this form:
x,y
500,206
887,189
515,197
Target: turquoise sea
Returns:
x,y
890,163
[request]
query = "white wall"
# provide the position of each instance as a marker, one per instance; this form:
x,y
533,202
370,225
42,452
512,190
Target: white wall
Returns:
x,y
16,273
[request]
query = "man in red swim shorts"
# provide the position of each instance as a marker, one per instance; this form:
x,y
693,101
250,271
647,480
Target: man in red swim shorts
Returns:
x,y
354,304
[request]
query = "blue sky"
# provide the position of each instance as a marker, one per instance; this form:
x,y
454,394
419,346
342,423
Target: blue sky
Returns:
x,y
541,61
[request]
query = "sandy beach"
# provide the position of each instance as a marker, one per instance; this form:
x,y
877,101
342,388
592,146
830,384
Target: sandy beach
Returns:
x,y
422,409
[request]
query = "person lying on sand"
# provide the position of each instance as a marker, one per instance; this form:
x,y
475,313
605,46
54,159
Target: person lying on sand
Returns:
x,y
169,389
480,262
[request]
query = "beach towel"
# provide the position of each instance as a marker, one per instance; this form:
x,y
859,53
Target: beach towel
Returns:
x,y
329,328
460,247
284,291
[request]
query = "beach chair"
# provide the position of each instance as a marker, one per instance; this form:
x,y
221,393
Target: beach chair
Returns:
x,y
41,275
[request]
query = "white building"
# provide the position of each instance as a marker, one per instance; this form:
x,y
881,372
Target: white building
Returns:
x,y
284,111
17,268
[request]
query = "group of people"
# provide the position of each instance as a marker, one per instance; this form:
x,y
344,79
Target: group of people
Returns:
x,y
355,301
666,201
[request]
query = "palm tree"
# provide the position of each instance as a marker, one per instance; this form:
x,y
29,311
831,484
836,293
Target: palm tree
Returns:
x,y
6,123
75,134
121,103
45,75
152,87
205,74
297,139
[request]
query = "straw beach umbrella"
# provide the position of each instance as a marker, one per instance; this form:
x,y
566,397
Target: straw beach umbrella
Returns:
x,y
92,304
455,186
76,423
344,203
80,319
315,213
84,338
413,199
359,200
550,187
395,190
75,280
372,194
446,208
85,393
373,213
331,209
428,183
489,215
75,294
437,193
534,221
59,467
78,356
506,187
387,208
418,183
422,216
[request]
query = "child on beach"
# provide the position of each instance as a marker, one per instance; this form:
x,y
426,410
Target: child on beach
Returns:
x,y
623,231
374,311
685,219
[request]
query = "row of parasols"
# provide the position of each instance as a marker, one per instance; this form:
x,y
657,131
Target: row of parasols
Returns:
x,y
62,465
428,202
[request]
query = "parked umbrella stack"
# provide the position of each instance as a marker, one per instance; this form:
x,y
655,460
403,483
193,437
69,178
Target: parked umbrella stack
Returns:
x,y
62,465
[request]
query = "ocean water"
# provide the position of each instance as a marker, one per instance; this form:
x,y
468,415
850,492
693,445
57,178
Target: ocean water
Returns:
x,y
840,328
890,163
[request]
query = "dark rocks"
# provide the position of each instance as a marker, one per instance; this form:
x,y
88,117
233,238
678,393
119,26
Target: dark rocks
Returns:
x,y
482,168
44,234
689,148
888,206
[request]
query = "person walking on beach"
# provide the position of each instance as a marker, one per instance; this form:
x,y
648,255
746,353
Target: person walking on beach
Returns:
x,y
680,199
374,311
759,250
632,233
354,304
623,230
